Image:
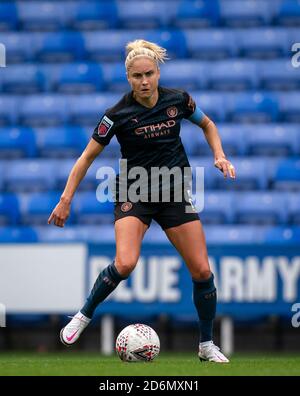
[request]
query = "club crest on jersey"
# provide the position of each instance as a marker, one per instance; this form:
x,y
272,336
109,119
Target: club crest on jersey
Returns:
x,y
172,111
126,206
104,126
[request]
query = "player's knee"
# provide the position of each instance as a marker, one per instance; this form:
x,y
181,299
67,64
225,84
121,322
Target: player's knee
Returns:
x,y
125,265
202,274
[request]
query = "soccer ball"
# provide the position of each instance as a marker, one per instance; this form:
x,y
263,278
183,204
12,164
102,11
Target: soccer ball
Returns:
x,y
137,343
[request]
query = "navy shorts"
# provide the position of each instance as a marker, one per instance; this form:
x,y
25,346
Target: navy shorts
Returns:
x,y
166,214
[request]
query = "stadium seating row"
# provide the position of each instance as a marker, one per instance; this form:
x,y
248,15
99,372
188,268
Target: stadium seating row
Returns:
x,y
40,110
78,78
260,173
109,45
69,142
249,207
46,15
215,234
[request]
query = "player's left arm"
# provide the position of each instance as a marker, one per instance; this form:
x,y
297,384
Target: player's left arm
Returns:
x,y
213,139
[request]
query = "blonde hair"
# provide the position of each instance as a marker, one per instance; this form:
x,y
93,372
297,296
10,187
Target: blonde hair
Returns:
x,y
139,48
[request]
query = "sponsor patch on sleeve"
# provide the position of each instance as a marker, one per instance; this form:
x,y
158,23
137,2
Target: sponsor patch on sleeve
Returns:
x,y
104,126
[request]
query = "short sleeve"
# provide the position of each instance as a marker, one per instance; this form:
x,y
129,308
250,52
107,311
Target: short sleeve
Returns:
x,y
189,105
104,130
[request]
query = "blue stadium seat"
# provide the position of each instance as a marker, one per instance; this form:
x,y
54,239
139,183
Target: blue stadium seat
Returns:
x,y
108,45
22,79
80,78
251,174
114,75
264,43
49,234
279,75
100,233
191,138
17,234
63,170
9,209
293,208
51,73
287,175
233,138
17,143
142,14
8,16
282,235
197,14
88,109
58,47
92,15
257,107
288,13
61,142
280,140
233,75
185,74
245,13
173,40
3,166
42,15
218,208
9,105
289,106
37,207
260,208
233,234
76,233
30,175
207,163
64,167
90,182
210,44
211,103
88,210
43,110
17,46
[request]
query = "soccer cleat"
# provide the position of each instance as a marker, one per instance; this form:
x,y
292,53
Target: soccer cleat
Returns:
x,y
208,351
70,333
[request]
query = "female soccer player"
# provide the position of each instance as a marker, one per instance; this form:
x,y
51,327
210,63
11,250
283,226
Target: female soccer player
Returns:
x,y
146,122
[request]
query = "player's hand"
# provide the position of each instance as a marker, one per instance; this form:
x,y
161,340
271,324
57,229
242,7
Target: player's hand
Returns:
x,y
60,214
225,167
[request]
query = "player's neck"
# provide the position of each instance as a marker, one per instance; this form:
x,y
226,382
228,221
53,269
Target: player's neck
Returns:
x,y
147,102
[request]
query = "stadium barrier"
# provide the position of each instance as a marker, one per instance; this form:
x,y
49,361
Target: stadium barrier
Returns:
x,y
253,281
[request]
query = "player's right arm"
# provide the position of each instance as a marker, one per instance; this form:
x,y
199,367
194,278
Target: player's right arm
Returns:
x,y
61,212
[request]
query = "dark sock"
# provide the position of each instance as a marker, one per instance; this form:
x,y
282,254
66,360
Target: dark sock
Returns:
x,y
205,300
106,282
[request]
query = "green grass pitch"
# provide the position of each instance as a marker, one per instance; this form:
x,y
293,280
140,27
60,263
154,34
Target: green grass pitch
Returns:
x,y
167,364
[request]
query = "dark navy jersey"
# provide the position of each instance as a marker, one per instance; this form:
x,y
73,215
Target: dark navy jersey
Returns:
x,y
148,137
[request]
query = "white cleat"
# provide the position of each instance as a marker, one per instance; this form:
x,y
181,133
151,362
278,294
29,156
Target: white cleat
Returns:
x,y
208,351
70,333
